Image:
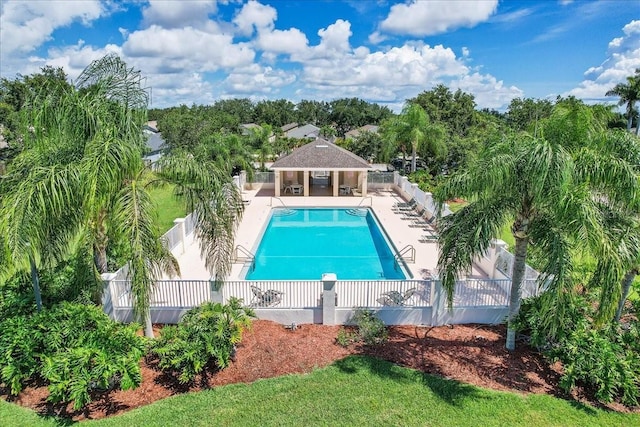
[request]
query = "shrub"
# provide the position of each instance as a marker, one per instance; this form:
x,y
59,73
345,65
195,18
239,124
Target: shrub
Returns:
x,y
76,348
605,360
208,333
345,337
370,329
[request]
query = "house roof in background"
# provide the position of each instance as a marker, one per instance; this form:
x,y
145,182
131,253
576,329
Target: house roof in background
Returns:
x,y
288,127
366,128
320,155
306,131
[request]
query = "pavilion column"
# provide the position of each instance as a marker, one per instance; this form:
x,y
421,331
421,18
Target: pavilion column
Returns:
x,y
277,183
336,183
363,180
306,183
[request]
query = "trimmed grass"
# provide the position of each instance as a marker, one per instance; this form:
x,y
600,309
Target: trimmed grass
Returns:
x,y
355,391
169,206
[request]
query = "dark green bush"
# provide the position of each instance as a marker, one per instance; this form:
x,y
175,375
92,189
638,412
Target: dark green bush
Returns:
x,y
205,334
76,348
369,329
604,360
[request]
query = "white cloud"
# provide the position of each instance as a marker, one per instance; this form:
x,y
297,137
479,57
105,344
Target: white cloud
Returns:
x,y
623,59
74,59
282,41
176,14
256,79
487,90
254,14
423,18
376,37
31,23
188,47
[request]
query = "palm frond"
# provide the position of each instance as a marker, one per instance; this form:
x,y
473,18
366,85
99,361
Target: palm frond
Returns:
x,y
466,235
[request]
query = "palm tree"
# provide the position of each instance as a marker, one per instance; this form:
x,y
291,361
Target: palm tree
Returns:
x,y
413,126
546,186
79,177
629,93
260,139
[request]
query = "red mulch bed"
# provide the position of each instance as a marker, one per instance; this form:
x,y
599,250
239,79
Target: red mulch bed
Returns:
x,y
473,354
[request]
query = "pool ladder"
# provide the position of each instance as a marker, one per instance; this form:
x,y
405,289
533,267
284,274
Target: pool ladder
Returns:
x,y
402,255
242,255
365,198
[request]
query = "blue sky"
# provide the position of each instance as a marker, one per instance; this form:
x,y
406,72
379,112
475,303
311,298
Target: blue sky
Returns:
x,y
197,52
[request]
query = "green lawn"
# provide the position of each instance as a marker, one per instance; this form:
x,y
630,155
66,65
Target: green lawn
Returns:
x,y
169,206
356,391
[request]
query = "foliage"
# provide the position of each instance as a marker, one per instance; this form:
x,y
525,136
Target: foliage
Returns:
x,y
369,145
525,114
76,348
206,334
352,113
606,361
425,181
346,337
370,330
455,111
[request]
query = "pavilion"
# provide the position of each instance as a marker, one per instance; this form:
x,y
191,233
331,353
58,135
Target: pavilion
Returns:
x,y
323,165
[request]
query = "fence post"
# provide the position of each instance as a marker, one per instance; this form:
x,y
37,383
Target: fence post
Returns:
x,y
329,298
181,226
107,295
438,304
216,293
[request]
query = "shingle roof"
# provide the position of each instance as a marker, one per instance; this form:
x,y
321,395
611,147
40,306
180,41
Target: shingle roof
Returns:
x,y
366,128
320,155
306,131
288,127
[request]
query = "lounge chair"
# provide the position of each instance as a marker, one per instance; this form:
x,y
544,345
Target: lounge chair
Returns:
x,y
424,223
268,298
410,203
418,212
404,207
431,236
395,298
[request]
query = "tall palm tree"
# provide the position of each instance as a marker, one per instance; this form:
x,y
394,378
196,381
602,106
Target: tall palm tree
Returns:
x,y
413,126
80,175
550,188
629,93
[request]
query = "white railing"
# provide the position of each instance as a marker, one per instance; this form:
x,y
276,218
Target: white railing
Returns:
x,y
293,294
362,293
165,293
173,237
308,293
481,293
189,224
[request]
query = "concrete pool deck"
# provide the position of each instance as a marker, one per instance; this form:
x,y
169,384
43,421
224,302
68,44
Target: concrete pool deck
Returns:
x,y
257,211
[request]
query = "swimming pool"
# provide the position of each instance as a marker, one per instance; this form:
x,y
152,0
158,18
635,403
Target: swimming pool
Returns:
x,y
302,244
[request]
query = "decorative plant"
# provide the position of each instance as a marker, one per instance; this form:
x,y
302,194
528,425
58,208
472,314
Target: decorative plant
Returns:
x,y
206,334
370,329
75,347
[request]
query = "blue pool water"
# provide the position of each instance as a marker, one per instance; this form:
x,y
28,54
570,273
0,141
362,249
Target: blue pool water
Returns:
x,y
302,244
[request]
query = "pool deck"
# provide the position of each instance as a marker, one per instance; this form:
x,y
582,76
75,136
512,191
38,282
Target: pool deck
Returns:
x,y
382,201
